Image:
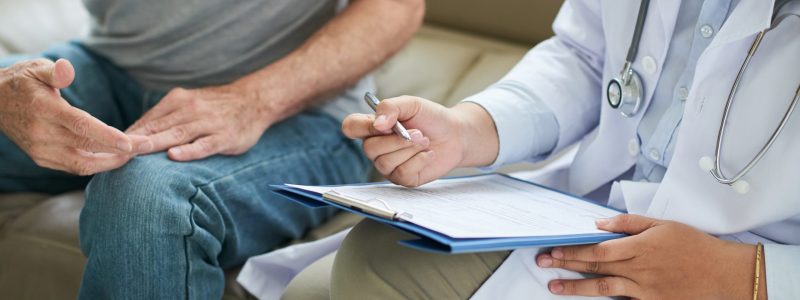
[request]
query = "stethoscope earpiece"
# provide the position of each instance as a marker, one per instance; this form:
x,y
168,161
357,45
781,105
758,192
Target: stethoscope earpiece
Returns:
x,y
739,186
706,163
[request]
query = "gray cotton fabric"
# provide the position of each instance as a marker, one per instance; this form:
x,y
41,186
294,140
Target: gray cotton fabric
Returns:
x,y
165,44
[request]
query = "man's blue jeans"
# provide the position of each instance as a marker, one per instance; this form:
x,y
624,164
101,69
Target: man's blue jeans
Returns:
x,y
158,229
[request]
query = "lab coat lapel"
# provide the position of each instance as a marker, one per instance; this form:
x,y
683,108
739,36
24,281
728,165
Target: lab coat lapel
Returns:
x,y
692,196
669,15
602,156
750,18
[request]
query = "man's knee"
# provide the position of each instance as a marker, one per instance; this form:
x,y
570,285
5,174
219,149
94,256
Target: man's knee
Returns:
x,y
144,200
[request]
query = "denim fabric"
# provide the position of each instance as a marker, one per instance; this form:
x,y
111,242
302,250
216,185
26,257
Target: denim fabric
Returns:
x,y
158,229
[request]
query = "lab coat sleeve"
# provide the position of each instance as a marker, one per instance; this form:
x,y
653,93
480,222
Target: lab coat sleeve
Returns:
x,y
551,98
526,127
782,263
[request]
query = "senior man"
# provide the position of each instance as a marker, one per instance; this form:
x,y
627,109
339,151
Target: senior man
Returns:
x,y
218,99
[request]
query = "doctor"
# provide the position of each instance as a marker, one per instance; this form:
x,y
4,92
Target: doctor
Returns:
x,y
644,88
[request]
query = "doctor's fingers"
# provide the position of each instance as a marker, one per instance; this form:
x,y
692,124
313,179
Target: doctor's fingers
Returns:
x,y
412,172
611,250
396,109
388,162
386,144
359,126
596,287
593,267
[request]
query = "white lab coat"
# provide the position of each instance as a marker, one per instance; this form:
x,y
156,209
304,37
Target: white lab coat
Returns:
x,y
598,34
569,73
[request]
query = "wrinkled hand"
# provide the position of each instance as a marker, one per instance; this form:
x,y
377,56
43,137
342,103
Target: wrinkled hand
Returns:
x,y
52,132
195,124
409,163
660,260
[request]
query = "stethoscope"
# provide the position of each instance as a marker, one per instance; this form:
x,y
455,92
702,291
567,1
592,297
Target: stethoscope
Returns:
x,y
625,93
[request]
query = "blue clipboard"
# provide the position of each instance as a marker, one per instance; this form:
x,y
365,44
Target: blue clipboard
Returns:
x,y
433,241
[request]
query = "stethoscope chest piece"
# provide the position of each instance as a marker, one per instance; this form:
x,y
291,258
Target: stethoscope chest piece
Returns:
x,y
625,93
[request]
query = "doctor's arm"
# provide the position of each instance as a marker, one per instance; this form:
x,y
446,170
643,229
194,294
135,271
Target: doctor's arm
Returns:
x,y
551,98
547,101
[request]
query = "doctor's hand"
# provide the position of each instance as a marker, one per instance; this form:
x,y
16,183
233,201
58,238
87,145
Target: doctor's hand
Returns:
x,y
198,123
441,138
660,260
49,130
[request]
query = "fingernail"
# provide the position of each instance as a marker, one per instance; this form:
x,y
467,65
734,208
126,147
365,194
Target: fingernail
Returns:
x,y
601,222
556,287
380,120
545,261
175,151
424,143
417,137
557,253
124,146
145,147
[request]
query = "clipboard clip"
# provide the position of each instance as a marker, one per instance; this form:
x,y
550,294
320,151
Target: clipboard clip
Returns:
x,y
383,210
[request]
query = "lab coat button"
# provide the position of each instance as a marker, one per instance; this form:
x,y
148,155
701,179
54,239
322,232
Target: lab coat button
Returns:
x,y
683,93
706,31
654,155
649,64
633,147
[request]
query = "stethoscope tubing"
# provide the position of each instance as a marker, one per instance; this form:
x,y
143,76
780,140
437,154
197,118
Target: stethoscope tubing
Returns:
x,y
717,171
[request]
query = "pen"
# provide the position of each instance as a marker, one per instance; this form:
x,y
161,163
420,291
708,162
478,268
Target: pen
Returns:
x,y
398,128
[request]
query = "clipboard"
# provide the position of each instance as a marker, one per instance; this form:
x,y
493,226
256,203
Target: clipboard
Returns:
x,y
430,240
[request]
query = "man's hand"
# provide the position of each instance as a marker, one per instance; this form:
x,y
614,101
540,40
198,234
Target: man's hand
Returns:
x,y
52,132
195,124
661,260
441,138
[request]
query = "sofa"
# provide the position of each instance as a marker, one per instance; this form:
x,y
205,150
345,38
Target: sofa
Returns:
x,y
464,46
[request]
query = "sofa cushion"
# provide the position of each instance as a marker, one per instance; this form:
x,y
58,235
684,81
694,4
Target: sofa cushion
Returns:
x,y
489,67
30,26
445,65
522,21
13,205
39,249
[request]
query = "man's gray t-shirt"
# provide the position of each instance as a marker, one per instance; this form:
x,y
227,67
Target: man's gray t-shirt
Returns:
x,y
165,44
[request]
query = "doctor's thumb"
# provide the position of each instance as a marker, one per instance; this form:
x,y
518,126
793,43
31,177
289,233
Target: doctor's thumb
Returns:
x,y
626,223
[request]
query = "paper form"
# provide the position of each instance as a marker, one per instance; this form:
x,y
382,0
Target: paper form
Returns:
x,y
489,206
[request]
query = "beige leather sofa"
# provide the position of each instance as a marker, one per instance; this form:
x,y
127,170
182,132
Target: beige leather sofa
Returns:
x,y
464,46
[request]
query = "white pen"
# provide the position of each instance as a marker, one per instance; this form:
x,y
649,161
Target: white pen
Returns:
x,y
398,128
